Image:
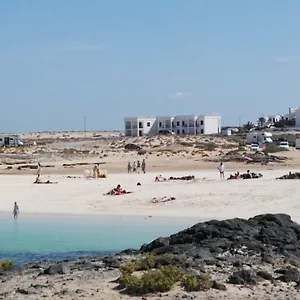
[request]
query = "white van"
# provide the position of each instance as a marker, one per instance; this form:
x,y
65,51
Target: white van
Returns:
x,y
10,141
284,145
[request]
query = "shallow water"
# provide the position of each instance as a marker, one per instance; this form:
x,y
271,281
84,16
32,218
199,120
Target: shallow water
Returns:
x,y
41,237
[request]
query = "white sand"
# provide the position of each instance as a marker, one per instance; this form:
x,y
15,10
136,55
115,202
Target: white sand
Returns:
x,y
205,198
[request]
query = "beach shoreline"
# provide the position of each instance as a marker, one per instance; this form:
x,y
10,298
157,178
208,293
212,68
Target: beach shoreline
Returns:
x,y
206,197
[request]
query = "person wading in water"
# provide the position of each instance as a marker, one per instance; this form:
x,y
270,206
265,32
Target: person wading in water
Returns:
x,y
16,211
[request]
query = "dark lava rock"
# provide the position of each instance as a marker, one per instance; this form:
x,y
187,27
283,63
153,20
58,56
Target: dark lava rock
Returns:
x,y
265,275
60,268
243,277
264,235
219,286
112,261
289,275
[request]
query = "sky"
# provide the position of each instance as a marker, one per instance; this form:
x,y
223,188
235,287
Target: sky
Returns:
x,y
61,61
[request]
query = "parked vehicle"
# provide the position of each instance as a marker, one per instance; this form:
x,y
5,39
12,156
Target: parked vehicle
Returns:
x,y
132,147
166,132
284,145
255,147
10,141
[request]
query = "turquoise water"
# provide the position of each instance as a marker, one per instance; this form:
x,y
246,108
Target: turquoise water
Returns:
x,y
41,237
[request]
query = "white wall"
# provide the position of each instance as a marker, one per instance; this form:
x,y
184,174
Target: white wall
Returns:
x,y
212,124
297,117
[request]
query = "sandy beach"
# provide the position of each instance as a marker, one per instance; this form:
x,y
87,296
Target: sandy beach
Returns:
x,y
205,197
66,156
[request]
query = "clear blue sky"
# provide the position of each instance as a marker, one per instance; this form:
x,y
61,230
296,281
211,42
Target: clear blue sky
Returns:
x,y
62,60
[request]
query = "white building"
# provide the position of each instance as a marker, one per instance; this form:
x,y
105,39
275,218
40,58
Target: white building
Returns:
x,y
292,113
297,118
139,126
259,137
187,124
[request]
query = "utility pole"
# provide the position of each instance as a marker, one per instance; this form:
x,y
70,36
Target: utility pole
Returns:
x,y
84,126
240,121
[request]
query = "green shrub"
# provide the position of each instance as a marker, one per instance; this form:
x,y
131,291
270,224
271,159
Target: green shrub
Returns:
x,y
194,283
145,263
128,267
132,284
152,281
5,264
274,149
172,272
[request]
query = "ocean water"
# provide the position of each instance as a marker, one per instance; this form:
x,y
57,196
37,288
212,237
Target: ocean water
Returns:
x,y
48,237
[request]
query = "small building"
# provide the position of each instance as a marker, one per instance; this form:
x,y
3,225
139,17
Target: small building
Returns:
x,y
226,132
259,137
10,141
140,126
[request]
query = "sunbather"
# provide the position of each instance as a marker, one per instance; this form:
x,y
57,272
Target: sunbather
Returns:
x,y
162,199
117,191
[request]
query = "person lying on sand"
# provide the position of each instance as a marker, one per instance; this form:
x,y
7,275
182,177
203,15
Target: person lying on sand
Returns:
x,y
163,199
117,191
189,177
45,182
251,175
38,181
159,178
235,176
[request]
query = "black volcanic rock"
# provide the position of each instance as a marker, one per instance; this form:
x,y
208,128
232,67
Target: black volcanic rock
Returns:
x,y
262,236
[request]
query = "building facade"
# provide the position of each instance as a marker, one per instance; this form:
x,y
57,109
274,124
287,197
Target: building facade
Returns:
x,y
185,124
139,126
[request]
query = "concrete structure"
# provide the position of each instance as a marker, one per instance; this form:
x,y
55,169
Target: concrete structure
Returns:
x,y
226,132
185,124
297,118
139,126
292,113
259,137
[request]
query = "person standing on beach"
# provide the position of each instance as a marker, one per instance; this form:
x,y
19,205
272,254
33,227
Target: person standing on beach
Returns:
x,y
16,210
221,169
134,167
138,167
144,166
129,168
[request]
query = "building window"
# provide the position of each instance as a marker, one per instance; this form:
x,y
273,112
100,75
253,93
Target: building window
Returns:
x,y
183,132
178,123
160,124
182,123
148,124
140,125
202,131
178,131
201,122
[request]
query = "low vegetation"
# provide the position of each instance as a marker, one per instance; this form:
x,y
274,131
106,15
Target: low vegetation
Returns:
x,y
157,274
5,264
274,149
195,283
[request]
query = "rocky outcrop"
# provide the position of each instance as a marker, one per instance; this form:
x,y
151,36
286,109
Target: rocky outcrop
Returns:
x,y
262,236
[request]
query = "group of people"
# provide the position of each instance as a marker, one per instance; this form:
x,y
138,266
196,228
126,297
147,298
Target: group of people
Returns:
x,y
247,175
136,167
